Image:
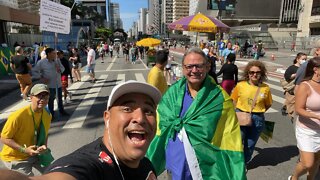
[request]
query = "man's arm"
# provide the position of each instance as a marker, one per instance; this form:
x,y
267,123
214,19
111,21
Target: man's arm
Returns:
x,y
54,176
31,150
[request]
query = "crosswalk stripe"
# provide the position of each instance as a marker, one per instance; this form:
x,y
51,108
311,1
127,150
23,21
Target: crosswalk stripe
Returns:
x,y
111,64
278,99
275,87
121,78
140,77
79,116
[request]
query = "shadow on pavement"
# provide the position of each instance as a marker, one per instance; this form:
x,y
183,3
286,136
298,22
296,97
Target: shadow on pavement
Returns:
x,y
273,156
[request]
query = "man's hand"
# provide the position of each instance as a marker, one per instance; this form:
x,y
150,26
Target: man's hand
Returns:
x,y
31,150
42,149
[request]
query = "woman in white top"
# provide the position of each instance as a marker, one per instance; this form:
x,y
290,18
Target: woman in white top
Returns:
x,y
308,122
167,69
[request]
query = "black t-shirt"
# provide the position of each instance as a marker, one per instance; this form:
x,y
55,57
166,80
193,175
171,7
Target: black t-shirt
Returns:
x,y
21,64
230,72
94,161
291,70
66,66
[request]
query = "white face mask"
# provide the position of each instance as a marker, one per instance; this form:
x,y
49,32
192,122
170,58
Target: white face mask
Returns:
x,y
302,61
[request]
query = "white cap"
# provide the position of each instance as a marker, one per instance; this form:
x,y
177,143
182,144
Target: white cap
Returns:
x,y
132,86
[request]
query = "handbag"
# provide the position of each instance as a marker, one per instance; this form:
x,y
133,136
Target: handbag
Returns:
x,y
244,118
287,86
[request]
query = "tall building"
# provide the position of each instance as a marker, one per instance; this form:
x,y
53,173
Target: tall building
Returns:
x,y
289,12
98,6
309,18
180,9
167,14
115,21
154,12
143,20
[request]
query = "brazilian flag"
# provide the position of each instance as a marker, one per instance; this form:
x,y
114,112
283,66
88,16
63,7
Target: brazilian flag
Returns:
x,y
5,54
211,127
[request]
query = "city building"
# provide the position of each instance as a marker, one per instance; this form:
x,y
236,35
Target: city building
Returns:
x,y
143,20
309,18
167,15
180,9
98,6
289,12
154,17
115,21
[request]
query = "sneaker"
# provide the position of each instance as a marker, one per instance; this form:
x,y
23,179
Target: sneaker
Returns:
x,y
290,177
65,101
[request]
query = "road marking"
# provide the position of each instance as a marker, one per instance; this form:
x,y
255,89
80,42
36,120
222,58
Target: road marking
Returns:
x,y
139,77
271,110
278,99
121,78
4,115
111,64
144,63
274,79
80,113
275,87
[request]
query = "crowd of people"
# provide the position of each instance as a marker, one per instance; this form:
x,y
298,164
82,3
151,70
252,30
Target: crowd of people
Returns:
x,y
197,131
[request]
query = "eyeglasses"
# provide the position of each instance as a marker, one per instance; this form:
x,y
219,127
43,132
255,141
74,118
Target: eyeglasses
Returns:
x,y
254,72
44,96
200,67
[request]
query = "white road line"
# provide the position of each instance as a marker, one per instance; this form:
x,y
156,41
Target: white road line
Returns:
x,y
121,78
271,110
278,99
274,79
111,64
144,63
80,113
139,77
275,87
4,115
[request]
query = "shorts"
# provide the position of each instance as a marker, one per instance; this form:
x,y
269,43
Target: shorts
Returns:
x,y
308,140
90,69
64,81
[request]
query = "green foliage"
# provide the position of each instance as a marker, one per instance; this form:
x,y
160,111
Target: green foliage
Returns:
x,y
103,33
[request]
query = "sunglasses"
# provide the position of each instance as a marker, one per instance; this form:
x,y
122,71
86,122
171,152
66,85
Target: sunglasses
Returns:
x,y
44,96
189,67
254,72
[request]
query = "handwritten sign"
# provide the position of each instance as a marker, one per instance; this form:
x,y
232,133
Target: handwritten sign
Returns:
x,y
54,17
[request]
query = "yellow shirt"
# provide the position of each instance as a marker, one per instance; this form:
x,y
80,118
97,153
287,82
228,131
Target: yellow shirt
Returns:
x,y
244,94
156,78
20,128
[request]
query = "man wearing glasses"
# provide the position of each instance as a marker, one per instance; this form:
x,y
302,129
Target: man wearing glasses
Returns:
x,y
198,134
19,134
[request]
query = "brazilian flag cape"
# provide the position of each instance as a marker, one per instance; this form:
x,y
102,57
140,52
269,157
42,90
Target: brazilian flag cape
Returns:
x,y
211,126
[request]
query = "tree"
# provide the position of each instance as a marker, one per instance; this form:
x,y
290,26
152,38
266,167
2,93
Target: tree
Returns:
x,y
103,33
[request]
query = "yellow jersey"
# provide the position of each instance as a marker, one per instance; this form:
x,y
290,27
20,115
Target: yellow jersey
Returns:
x,y
156,78
20,128
243,94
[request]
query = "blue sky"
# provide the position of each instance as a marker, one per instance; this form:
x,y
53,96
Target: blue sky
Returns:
x,y
129,11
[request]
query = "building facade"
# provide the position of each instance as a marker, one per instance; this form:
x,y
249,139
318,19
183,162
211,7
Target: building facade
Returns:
x,y
167,14
115,21
309,18
98,6
154,13
180,9
143,20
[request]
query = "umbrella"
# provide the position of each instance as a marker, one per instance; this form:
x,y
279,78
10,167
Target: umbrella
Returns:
x,y
148,42
199,23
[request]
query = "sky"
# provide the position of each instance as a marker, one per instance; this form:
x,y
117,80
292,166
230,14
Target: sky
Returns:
x,y
129,11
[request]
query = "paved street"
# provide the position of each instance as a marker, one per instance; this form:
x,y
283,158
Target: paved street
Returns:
x,y
273,160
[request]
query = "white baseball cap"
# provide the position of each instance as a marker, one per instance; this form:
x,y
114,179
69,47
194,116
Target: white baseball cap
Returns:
x,y
132,86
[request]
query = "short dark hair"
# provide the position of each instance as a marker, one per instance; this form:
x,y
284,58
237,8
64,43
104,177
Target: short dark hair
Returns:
x,y
48,50
161,56
231,57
